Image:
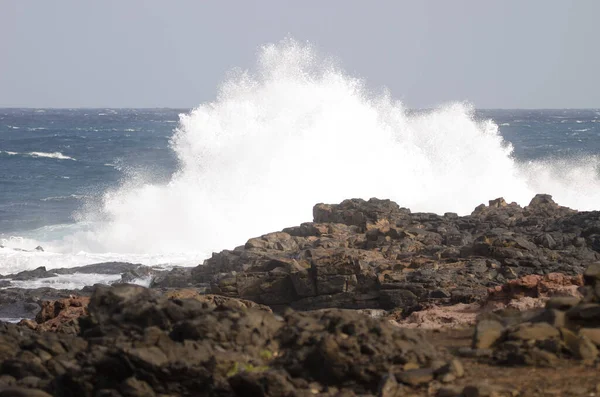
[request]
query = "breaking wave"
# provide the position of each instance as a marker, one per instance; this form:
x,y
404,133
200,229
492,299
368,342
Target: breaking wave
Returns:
x,y
298,130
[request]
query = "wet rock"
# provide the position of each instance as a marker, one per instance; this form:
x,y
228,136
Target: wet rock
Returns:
x,y
176,278
100,268
40,272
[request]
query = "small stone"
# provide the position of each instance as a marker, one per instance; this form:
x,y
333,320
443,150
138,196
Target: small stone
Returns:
x,y
23,392
579,345
470,352
592,273
454,368
540,358
410,365
562,302
388,387
555,318
416,377
457,369
450,391
593,334
487,333
32,382
535,331
478,391
585,314
447,378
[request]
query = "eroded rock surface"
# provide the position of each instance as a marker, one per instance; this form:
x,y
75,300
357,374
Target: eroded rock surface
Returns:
x,y
568,326
138,342
375,255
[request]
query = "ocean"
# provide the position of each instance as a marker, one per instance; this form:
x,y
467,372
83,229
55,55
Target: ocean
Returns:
x,y
170,186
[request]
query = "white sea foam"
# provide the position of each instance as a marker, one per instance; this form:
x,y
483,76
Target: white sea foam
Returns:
x,y
296,132
54,155
68,281
70,196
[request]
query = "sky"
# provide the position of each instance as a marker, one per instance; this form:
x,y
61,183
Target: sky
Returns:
x,y
155,53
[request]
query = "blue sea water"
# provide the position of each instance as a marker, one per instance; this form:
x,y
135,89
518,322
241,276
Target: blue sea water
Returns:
x,y
54,160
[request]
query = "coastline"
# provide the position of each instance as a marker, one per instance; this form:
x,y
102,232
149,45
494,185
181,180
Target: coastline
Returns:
x,y
388,302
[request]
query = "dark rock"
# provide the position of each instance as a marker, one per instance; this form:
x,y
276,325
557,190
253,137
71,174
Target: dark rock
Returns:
x,y
40,272
372,247
100,268
416,377
180,277
23,392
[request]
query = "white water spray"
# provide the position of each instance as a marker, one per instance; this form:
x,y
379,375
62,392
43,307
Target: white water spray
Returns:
x,y
300,131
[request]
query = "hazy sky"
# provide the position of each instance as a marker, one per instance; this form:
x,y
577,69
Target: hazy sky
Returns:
x,y
155,53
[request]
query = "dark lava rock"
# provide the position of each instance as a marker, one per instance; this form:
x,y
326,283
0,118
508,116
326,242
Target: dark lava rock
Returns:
x,y
20,303
40,272
375,255
101,268
137,342
180,277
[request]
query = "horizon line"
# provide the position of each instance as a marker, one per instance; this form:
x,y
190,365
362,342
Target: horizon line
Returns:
x,y
193,107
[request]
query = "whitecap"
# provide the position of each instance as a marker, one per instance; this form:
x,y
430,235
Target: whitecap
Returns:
x,y
70,196
54,155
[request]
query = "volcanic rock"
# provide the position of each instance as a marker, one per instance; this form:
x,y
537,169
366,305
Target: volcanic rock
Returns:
x,y
135,341
375,255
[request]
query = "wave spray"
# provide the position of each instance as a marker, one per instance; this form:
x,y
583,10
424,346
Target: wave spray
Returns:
x,y
299,131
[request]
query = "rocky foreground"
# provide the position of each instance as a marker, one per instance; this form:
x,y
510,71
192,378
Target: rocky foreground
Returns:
x,y
369,299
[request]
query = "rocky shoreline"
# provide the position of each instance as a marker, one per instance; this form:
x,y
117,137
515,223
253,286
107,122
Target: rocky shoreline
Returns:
x,y
368,299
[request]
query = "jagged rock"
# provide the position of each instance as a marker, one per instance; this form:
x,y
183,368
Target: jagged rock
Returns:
x,y
176,278
567,325
39,272
139,342
373,247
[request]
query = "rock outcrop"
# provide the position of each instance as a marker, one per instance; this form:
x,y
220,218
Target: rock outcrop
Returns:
x,y
136,342
375,255
568,326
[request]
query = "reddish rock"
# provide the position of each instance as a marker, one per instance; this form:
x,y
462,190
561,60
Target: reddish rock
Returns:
x,y
60,315
435,317
535,286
